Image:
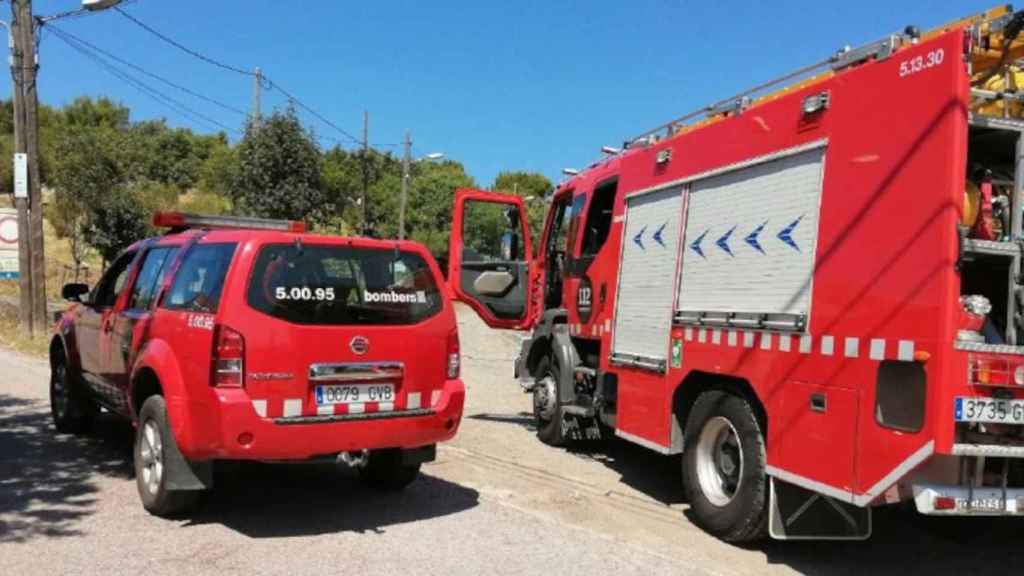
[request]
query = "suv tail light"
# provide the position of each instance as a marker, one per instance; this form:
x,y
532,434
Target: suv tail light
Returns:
x,y
228,357
454,360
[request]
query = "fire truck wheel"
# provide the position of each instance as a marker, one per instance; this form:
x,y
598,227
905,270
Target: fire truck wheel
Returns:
x,y
724,467
546,406
384,470
152,439
72,412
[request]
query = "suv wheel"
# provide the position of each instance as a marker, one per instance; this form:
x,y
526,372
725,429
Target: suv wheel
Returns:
x,y
724,467
72,412
384,470
153,439
547,409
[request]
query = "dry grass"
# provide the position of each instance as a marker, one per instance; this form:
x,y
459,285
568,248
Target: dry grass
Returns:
x,y
12,337
59,266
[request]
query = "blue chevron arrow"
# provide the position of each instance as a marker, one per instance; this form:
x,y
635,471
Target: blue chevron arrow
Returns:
x,y
786,234
696,245
723,242
657,235
752,238
638,239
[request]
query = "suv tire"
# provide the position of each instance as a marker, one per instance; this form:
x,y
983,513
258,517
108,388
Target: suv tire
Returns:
x,y
384,470
547,408
153,439
724,467
71,410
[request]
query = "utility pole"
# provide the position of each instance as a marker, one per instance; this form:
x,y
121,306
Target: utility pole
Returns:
x,y
257,87
20,202
366,171
23,72
406,159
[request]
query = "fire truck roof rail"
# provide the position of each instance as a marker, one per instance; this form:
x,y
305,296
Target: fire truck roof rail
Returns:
x,y
994,21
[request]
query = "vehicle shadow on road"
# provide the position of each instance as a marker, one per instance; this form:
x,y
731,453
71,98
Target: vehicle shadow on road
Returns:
x,y
646,471
906,543
47,479
285,500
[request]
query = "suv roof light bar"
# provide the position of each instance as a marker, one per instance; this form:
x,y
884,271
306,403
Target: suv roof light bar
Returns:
x,y
180,220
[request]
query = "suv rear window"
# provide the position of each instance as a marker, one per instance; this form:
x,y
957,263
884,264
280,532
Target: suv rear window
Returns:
x,y
200,279
342,285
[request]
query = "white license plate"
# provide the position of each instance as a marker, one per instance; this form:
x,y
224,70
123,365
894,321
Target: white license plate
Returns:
x,y
992,410
354,393
981,505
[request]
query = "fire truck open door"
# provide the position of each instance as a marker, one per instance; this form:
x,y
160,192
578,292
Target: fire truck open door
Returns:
x,y
489,257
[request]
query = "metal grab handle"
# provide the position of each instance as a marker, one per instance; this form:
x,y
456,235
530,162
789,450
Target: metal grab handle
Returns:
x,y
356,371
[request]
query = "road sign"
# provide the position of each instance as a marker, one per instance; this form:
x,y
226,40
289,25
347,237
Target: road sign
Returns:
x,y
8,244
21,175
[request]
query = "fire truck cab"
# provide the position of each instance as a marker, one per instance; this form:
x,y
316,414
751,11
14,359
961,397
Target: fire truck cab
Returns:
x,y
813,294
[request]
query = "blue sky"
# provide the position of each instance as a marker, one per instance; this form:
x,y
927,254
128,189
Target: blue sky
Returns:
x,y
531,85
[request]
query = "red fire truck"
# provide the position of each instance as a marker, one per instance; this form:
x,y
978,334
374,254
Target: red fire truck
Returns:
x,y
814,295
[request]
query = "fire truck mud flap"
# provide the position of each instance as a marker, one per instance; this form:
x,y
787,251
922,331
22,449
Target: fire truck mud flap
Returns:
x,y
796,513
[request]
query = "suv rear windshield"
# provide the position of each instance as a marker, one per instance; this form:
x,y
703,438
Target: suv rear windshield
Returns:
x,y
337,285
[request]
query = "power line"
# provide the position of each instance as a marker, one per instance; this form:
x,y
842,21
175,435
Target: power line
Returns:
x,y
291,98
182,47
114,57
270,84
139,85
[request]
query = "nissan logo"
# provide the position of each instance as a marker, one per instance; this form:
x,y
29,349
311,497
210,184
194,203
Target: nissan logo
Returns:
x,y
359,345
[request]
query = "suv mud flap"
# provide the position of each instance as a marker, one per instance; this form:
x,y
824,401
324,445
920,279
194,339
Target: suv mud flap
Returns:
x,y
185,475
799,514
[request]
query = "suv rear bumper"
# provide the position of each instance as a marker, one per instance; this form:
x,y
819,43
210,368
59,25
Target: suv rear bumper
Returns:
x,y
231,429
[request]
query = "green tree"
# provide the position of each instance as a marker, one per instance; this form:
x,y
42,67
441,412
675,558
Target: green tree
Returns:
x,y
428,217
279,171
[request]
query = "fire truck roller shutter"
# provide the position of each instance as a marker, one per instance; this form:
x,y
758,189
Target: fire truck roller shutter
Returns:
x,y
650,251
751,234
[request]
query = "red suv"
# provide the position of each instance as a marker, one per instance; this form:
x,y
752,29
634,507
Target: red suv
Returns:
x,y
249,339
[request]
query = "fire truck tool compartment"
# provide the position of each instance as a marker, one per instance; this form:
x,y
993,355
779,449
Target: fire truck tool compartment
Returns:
x,y
649,259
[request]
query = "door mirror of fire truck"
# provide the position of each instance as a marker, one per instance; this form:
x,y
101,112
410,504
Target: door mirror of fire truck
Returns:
x,y
489,264
509,246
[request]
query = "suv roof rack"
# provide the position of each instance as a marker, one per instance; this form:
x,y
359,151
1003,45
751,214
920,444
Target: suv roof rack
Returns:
x,y
178,221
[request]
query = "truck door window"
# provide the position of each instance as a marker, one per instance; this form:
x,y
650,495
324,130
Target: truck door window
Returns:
x,y
555,252
113,281
200,279
599,218
151,275
485,227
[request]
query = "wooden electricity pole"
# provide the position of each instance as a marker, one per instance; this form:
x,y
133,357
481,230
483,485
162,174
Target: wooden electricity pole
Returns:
x,y
26,103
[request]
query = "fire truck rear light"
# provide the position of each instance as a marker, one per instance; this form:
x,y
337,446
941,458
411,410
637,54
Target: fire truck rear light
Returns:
x,y
991,371
945,503
228,358
454,358
181,220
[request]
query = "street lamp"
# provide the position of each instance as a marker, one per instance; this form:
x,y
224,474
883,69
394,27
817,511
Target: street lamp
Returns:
x,y
406,160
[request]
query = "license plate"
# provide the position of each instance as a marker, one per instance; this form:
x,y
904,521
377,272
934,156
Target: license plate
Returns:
x,y
981,505
354,393
991,410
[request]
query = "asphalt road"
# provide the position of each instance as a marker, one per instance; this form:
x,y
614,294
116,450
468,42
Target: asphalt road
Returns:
x,y
497,501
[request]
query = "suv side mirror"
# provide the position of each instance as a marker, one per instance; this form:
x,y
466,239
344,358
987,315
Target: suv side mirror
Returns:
x,y
74,291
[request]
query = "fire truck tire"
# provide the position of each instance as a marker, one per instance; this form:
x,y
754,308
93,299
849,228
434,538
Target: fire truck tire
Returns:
x,y
724,467
153,443
71,409
547,407
384,470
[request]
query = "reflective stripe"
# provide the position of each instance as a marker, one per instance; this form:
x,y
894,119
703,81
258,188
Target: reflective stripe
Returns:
x,y
356,408
324,410
827,345
412,401
292,407
905,351
877,349
851,348
435,396
260,406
